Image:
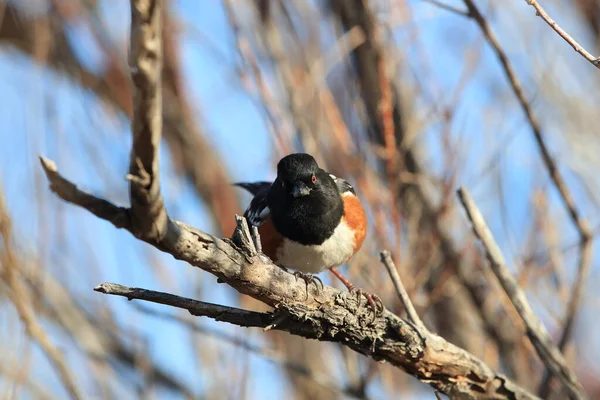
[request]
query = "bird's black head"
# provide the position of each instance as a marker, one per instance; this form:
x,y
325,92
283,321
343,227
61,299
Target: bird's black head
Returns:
x,y
298,174
304,200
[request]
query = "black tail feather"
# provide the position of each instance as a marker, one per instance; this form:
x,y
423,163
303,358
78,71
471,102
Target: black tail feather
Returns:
x,y
253,187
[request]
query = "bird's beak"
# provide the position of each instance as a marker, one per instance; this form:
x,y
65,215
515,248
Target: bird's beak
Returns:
x,y
300,189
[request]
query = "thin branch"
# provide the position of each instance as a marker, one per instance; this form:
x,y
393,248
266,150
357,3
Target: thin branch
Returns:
x,y
387,261
236,316
585,233
330,315
535,330
540,12
101,208
148,213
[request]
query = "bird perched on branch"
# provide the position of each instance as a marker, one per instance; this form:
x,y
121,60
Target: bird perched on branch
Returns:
x,y
308,220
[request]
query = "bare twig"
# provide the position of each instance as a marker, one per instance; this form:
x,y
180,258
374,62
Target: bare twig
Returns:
x,y
148,213
99,207
585,233
535,330
540,12
217,312
387,261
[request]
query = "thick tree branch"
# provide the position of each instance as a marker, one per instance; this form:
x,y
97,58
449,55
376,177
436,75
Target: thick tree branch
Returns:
x,y
148,213
535,330
330,315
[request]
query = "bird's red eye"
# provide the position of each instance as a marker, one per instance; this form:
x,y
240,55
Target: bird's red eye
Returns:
x,y
314,179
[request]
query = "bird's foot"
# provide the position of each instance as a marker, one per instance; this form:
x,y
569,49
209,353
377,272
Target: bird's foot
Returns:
x,y
308,279
374,301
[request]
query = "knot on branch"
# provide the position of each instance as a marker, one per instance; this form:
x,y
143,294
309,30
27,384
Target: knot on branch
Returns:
x,y
148,213
246,239
141,178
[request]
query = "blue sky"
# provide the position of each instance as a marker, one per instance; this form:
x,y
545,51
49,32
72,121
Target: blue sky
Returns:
x,y
42,113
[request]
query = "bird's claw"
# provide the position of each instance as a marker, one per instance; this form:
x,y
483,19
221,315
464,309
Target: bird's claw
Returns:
x,y
308,279
373,300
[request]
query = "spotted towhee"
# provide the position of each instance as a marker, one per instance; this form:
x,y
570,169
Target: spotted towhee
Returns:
x,y
308,220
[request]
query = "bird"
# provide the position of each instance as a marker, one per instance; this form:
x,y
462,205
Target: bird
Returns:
x,y
308,220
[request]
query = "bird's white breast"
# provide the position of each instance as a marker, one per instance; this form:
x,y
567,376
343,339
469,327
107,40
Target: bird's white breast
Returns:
x,y
335,251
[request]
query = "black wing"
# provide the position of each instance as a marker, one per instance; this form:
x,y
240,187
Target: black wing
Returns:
x,y
258,209
343,185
